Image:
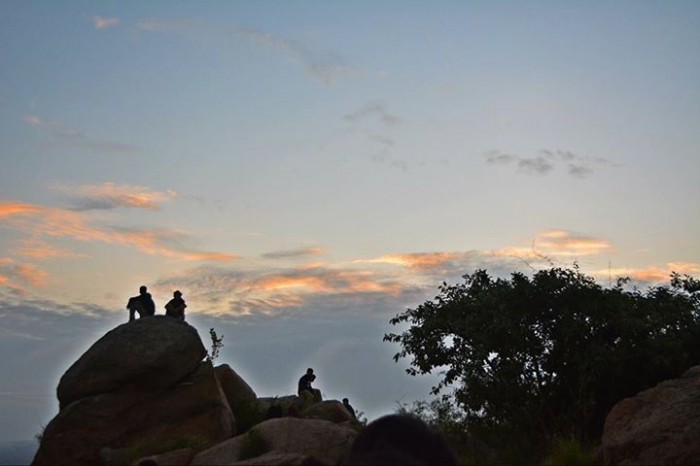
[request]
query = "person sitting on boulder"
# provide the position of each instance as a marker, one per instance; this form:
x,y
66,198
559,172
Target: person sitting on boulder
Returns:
x,y
305,385
350,409
176,306
142,304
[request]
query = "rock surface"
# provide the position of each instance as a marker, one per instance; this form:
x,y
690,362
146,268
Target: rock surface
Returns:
x,y
329,410
151,353
181,457
326,441
236,389
660,425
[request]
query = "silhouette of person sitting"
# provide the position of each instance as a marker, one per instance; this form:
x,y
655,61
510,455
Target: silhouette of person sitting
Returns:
x,y
350,409
176,306
399,439
142,304
305,385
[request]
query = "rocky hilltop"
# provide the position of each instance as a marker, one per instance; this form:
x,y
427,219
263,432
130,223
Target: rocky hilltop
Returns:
x,y
144,391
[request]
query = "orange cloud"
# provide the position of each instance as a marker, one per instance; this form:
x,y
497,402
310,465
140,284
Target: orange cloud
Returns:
x,y
651,274
110,195
31,274
210,256
427,260
275,283
8,209
104,23
564,243
38,249
326,281
53,222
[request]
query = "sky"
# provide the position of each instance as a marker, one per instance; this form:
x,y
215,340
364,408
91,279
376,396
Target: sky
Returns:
x,y
303,171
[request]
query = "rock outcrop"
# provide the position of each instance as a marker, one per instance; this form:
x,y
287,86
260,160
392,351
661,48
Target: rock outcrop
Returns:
x,y
660,425
137,407
143,392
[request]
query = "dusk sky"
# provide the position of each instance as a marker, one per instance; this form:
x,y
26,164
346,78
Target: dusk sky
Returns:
x,y
305,170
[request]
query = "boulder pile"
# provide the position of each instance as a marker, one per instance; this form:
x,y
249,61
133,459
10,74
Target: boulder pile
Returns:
x,y
145,391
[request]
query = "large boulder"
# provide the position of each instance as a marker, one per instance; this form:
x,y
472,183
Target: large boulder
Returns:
x,y
152,353
658,426
286,440
241,398
128,424
160,397
235,388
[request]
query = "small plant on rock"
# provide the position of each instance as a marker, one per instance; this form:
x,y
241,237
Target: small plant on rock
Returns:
x,y
216,344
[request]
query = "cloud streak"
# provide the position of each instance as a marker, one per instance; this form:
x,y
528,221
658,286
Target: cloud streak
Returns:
x,y
375,111
100,22
244,292
41,222
107,196
547,161
61,137
327,68
378,120
17,276
324,67
300,253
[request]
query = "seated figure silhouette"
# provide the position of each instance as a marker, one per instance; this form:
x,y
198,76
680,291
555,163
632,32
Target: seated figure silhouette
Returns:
x,y
142,304
176,306
305,385
400,439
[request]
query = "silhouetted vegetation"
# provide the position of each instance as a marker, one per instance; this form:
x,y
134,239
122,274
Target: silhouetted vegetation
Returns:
x,y
217,342
534,359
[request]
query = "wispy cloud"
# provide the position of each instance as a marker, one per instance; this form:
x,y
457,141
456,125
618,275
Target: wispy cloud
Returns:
x,y
547,161
8,209
18,276
567,244
101,22
246,291
300,253
53,128
326,67
649,275
37,249
376,121
107,196
376,111
425,261
60,136
41,223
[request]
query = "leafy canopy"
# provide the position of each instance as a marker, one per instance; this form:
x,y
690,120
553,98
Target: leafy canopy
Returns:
x,y
549,355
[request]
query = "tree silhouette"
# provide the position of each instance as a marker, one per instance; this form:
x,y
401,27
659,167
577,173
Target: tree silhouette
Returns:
x,y
548,356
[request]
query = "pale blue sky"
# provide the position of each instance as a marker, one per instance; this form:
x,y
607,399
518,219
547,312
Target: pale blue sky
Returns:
x,y
319,166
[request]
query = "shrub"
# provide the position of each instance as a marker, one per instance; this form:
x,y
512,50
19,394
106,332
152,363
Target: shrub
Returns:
x,y
253,445
568,452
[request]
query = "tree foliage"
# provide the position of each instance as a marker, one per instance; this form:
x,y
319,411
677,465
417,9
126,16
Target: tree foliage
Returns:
x,y
549,355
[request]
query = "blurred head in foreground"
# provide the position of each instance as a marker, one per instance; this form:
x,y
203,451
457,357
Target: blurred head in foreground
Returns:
x,y
399,439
